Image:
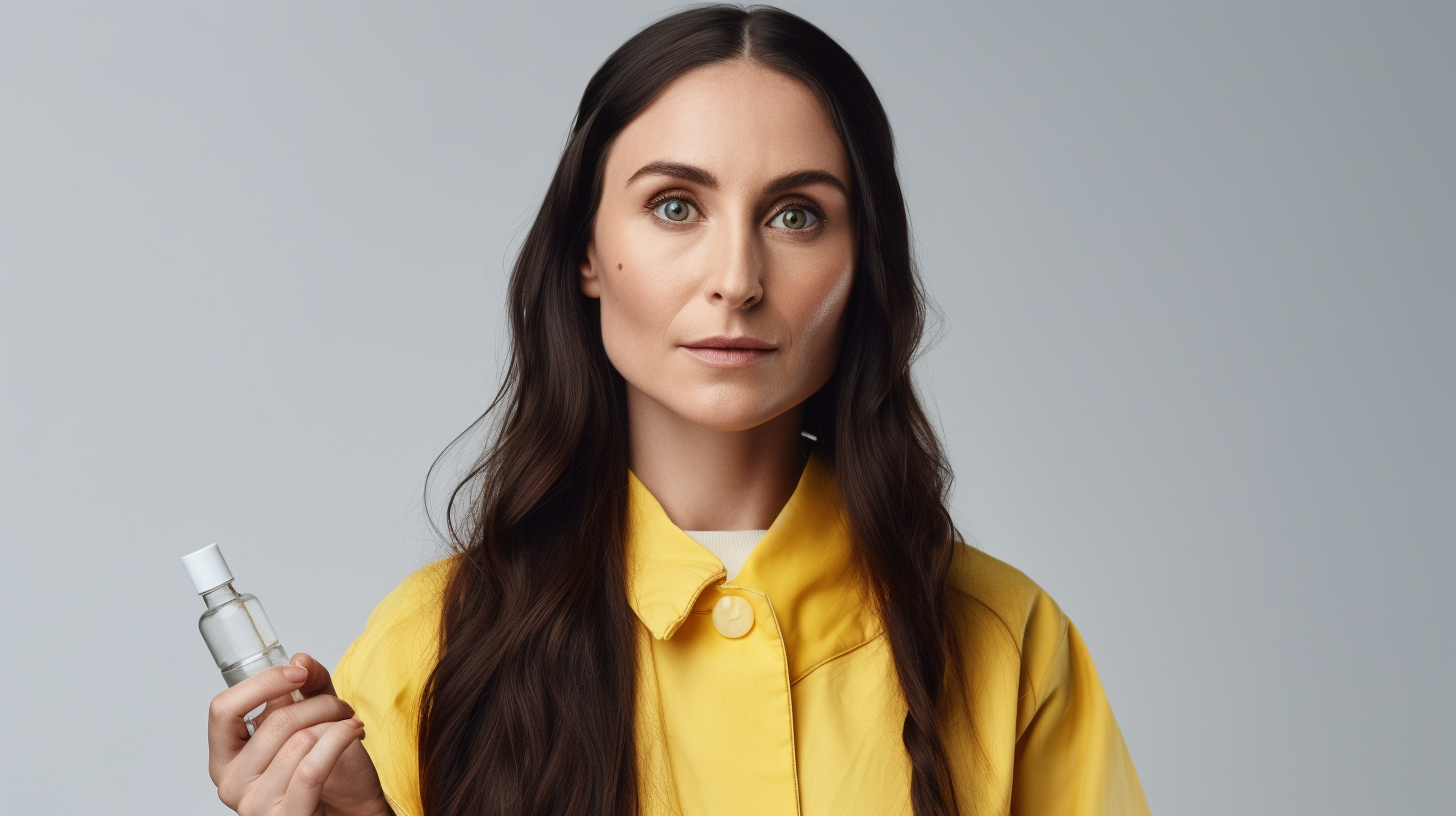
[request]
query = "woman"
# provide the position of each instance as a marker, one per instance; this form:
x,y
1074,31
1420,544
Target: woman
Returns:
x,y
713,320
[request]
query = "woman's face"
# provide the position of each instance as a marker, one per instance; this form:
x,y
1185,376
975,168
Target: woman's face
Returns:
x,y
725,214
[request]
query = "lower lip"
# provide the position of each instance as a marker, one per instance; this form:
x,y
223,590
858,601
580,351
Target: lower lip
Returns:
x,y
728,357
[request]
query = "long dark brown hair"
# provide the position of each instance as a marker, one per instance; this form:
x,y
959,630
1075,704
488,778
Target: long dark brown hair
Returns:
x,y
529,709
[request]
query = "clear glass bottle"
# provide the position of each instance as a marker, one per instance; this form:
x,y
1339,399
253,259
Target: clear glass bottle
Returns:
x,y
235,627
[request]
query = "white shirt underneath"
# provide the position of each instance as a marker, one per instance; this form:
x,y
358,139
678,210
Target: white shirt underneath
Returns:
x,y
731,546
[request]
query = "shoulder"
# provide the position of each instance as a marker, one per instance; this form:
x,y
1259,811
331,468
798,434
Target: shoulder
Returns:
x,y
1002,597
1070,756
420,591
398,642
414,602
383,674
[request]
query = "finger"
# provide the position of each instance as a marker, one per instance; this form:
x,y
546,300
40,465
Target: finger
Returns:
x,y
307,784
265,792
281,726
270,788
226,733
270,707
319,681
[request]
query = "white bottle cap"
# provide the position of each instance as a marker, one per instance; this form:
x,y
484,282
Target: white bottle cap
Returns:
x,y
207,569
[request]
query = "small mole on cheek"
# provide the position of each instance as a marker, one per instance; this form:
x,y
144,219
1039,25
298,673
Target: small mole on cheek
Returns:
x,y
619,266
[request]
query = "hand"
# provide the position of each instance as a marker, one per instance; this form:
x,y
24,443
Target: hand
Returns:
x,y
305,758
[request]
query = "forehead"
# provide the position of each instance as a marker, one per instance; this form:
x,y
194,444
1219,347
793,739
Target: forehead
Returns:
x,y
744,122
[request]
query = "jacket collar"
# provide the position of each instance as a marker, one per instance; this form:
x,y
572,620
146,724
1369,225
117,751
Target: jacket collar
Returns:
x,y
804,565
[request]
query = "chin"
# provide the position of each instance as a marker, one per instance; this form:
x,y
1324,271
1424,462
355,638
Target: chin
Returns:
x,y
719,412
727,421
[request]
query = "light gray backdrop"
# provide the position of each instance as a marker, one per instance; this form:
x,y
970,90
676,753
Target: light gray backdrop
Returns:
x,y
1195,370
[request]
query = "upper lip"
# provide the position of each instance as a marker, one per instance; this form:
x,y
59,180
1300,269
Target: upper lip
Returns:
x,y
743,342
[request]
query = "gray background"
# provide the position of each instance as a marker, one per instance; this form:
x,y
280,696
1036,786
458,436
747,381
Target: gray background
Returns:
x,y
1194,370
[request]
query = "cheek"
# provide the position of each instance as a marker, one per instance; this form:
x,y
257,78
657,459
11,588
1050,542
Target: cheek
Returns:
x,y
637,312
821,315
623,319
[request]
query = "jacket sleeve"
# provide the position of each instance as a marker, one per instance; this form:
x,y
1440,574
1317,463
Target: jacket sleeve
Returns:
x,y
382,675
1071,759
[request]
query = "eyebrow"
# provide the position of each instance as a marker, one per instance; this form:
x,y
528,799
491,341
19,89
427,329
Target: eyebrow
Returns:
x,y
698,175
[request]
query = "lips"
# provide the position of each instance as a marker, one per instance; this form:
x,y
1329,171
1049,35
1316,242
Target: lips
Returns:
x,y
722,342
730,352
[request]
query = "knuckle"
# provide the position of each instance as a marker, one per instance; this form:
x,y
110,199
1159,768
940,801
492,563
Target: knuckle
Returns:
x,y
311,774
228,793
281,721
302,741
217,709
247,804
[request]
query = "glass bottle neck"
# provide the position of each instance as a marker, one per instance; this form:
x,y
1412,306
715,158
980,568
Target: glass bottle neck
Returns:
x,y
217,596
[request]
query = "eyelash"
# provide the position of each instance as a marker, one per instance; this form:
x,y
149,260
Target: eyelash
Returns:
x,y
818,213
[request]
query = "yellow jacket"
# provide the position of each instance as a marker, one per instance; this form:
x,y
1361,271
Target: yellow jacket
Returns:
x,y
800,714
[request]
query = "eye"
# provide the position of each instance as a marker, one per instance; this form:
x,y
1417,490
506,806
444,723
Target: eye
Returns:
x,y
673,209
795,218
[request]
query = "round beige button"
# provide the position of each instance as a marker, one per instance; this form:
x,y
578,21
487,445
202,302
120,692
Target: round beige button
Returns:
x,y
733,616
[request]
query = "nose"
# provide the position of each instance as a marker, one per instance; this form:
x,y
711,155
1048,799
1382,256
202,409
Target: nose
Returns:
x,y
736,267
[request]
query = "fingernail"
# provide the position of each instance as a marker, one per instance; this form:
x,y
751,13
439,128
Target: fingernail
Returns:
x,y
295,674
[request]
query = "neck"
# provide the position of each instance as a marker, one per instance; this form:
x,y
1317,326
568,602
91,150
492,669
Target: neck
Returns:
x,y
217,596
708,479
